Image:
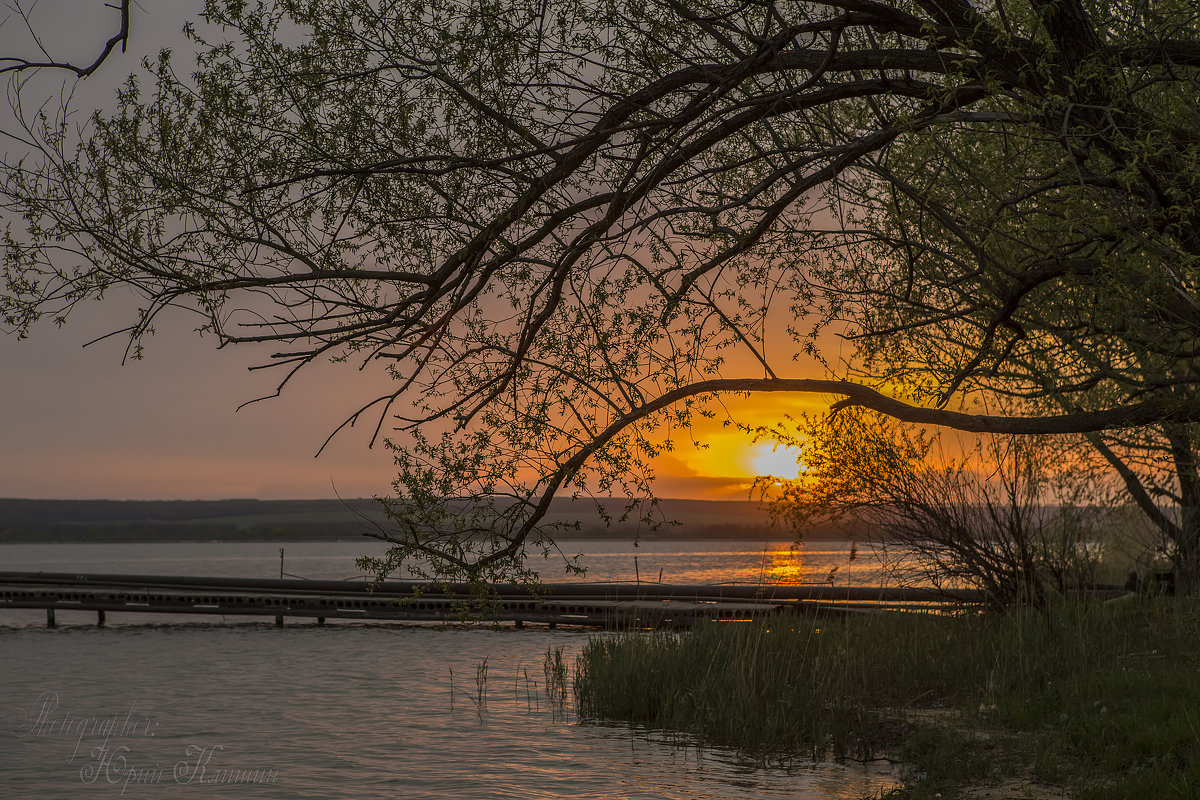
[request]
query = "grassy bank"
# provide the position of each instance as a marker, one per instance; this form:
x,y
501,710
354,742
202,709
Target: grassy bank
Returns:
x,y
1094,701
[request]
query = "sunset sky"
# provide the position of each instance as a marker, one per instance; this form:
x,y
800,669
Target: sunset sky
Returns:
x,y
80,424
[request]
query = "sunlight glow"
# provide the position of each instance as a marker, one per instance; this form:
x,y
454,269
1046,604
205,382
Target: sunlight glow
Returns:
x,y
770,458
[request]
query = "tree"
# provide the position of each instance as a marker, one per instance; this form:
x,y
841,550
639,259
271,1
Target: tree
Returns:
x,y
564,226
1055,268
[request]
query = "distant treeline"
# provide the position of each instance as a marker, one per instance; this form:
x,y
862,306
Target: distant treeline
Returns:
x,y
141,520
31,521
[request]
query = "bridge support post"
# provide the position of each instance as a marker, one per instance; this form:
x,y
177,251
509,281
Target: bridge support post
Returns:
x,y
520,623
320,620
279,620
50,623
100,618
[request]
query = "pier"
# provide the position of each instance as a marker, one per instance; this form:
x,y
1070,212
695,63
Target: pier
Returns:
x,y
600,605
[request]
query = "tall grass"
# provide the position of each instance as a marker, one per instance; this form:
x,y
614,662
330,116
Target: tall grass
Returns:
x,y
1096,697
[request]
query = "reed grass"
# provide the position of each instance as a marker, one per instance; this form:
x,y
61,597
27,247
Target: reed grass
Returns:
x,y
557,676
1097,700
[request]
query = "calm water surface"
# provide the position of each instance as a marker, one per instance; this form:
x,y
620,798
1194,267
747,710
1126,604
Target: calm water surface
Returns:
x,y
154,707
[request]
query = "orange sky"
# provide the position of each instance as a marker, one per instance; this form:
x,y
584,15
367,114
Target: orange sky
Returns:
x,y
728,459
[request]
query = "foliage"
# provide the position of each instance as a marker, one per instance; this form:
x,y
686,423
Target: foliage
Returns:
x,y
564,226
1002,514
1059,270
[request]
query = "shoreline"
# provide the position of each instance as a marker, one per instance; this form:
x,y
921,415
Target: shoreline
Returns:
x,y
25,521
172,536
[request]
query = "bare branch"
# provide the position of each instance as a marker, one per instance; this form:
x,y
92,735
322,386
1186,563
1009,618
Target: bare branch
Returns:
x,y
13,64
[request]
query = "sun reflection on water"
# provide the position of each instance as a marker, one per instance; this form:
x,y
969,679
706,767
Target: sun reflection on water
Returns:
x,y
784,568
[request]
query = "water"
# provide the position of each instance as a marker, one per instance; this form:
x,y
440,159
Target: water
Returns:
x,y
606,560
151,707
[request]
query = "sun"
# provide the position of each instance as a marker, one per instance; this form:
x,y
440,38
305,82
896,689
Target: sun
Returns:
x,y
776,460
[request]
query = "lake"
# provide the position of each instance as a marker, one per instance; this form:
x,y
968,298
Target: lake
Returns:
x,y
153,706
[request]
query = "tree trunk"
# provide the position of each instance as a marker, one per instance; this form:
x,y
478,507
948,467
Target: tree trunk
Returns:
x,y
1186,560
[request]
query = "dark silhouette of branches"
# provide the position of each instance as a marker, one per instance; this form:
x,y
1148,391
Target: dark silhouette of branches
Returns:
x,y
16,64
564,225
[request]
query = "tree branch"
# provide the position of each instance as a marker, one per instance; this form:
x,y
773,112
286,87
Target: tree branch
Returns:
x,y
121,37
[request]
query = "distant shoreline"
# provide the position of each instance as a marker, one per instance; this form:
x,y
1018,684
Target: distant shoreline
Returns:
x,y
24,521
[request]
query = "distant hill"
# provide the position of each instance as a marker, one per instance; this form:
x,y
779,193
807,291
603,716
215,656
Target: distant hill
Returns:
x,y
32,521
